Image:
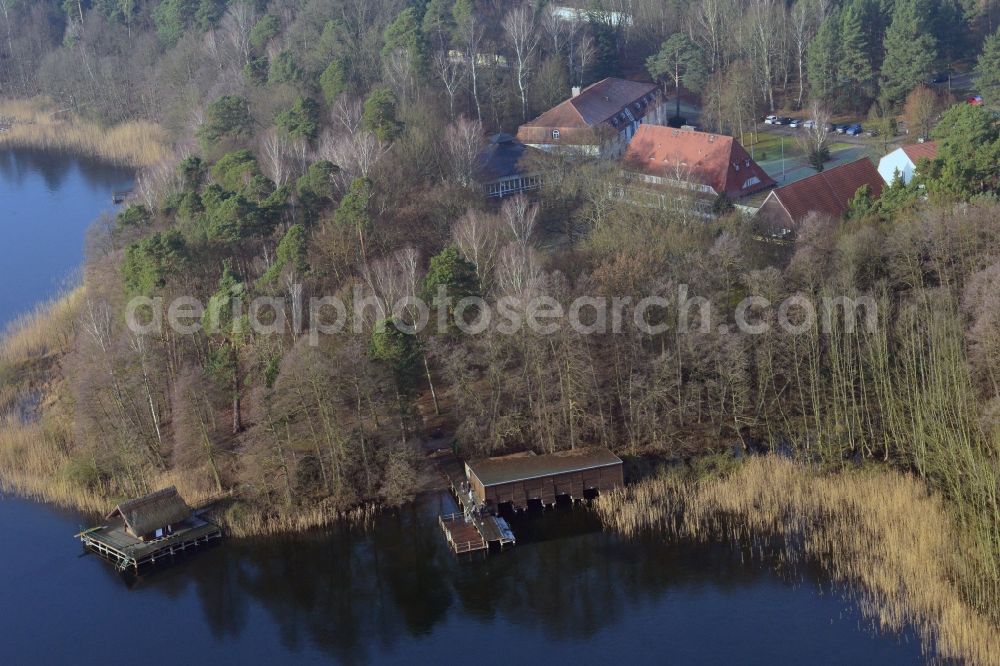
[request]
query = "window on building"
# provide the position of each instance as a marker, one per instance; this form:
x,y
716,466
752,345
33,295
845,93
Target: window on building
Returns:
x,y
555,134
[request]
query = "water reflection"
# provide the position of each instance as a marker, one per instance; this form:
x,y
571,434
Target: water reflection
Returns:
x,y
55,168
359,598
47,201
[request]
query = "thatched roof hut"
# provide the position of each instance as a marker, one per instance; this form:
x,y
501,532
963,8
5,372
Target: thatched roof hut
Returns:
x,y
157,512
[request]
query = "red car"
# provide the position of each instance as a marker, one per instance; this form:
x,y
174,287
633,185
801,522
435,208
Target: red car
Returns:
x,y
975,100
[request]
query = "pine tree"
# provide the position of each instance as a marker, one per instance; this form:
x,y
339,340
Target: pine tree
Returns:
x,y
910,50
405,34
854,66
822,60
988,70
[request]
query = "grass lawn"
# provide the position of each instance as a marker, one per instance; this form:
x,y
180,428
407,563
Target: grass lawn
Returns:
x,y
768,146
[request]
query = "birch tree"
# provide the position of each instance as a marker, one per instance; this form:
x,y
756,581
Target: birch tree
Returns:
x,y
522,38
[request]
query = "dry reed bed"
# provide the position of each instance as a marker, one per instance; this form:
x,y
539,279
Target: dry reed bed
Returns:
x,y
878,529
36,123
46,329
256,524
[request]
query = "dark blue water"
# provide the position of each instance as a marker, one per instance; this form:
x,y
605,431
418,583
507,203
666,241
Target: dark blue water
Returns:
x,y
568,593
47,201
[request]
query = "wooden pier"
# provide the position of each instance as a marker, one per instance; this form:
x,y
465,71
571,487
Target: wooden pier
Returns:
x,y
462,536
473,529
113,543
154,527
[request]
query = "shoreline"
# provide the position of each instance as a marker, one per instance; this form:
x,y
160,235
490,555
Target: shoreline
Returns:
x,y
879,531
36,123
36,465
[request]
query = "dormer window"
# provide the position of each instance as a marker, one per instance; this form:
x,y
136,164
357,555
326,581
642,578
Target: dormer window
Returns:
x,y
748,163
555,134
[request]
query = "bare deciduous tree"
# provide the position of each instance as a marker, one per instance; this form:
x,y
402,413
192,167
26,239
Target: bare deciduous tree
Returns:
x,y
802,21
451,71
463,142
477,236
522,37
356,154
520,216
275,150
236,25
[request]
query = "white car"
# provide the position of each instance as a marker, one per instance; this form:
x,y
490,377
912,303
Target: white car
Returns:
x,y
772,120
795,124
809,124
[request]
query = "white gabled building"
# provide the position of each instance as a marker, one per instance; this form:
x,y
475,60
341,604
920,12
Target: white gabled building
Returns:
x,y
904,161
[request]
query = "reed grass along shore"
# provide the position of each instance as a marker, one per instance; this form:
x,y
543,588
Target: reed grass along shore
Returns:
x,y
37,123
880,530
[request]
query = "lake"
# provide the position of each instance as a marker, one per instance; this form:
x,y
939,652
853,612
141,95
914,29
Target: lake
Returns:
x,y
568,593
47,201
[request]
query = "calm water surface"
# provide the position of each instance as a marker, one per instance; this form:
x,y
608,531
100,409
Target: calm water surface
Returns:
x,y
566,594
47,201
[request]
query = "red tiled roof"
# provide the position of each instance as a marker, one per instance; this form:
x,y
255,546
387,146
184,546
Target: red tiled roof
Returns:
x,y
715,160
578,117
829,191
919,151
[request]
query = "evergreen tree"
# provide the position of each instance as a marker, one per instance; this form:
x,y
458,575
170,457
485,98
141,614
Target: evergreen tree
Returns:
x,y
302,120
333,80
290,256
438,23
968,158
150,261
283,69
400,352
266,29
682,62
822,61
353,209
988,70
228,331
405,34
226,117
854,65
379,116
910,50
449,269
315,188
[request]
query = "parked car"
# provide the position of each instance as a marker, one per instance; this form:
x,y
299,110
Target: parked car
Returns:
x,y
785,120
840,129
871,132
975,100
940,77
854,130
795,124
808,124
772,120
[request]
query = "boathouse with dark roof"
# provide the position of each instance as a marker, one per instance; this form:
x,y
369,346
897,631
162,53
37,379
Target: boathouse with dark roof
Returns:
x,y
520,478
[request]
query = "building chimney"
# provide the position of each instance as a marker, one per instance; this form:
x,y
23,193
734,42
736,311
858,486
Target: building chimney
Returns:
x,y
576,91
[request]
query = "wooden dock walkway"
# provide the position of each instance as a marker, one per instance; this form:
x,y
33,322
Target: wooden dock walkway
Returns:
x,y
114,544
472,529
